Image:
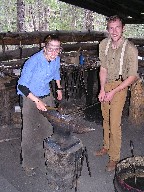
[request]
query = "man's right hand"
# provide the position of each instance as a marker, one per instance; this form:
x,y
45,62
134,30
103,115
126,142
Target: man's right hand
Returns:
x,y
101,95
40,105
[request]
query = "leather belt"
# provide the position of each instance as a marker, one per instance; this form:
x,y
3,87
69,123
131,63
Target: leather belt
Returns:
x,y
41,97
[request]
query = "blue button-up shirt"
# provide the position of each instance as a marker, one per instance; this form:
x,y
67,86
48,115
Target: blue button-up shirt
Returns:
x,y
38,72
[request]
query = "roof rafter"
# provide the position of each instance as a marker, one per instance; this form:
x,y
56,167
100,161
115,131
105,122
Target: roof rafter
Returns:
x,y
130,10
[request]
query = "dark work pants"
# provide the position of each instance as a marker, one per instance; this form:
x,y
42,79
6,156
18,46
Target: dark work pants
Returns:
x,y
35,129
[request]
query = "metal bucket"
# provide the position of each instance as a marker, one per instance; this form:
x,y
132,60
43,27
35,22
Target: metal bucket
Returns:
x,y
129,175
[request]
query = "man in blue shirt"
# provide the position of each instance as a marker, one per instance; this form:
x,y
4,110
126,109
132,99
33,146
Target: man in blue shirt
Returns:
x,y
33,86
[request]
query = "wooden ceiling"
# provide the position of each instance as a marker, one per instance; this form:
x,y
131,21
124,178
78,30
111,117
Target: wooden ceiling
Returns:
x,y
132,11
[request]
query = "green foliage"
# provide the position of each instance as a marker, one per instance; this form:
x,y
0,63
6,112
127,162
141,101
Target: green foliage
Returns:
x,y
134,30
8,15
47,15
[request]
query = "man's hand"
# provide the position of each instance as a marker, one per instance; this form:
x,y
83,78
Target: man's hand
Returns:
x,y
40,105
127,82
59,92
101,96
109,96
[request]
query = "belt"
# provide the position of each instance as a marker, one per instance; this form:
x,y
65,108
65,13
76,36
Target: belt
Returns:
x,y
41,97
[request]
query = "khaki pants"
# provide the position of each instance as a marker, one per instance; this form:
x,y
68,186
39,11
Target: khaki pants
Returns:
x,y
112,113
35,129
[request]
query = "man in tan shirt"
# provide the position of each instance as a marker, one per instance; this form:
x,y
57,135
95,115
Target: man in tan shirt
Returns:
x,y
119,65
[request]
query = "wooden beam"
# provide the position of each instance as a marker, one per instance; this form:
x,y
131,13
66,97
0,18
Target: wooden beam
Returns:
x,y
83,46
17,54
141,51
137,41
141,63
19,63
27,52
29,38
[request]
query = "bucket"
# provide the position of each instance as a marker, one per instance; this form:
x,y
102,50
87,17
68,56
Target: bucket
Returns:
x,y
129,175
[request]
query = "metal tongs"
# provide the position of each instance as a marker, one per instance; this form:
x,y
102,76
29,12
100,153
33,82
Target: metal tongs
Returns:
x,y
51,108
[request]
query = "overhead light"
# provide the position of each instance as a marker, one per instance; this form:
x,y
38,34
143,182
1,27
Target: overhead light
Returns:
x,y
142,13
129,17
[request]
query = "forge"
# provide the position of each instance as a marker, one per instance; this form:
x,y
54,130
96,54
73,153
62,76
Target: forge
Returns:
x,y
63,151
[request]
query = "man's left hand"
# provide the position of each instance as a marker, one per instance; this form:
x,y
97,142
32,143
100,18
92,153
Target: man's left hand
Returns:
x,y
109,96
59,92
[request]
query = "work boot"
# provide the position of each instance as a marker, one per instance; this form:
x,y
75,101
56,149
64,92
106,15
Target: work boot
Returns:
x,y
101,152
111,165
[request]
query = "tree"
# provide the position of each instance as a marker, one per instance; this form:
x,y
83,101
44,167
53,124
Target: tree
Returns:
x,y
47,15
20,16
89,20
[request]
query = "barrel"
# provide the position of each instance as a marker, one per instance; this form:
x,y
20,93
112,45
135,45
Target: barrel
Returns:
x,y
129,175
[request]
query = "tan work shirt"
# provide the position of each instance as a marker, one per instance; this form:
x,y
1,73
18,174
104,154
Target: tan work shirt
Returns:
x,y
111,61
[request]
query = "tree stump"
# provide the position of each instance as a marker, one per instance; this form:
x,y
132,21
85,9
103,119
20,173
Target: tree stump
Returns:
x,y
63,166
136,113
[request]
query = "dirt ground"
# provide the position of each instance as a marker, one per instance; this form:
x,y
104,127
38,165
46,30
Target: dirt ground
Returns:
x,y
13,178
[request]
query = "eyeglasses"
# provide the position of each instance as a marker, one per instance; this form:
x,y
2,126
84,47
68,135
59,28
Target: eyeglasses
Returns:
x,y
57,50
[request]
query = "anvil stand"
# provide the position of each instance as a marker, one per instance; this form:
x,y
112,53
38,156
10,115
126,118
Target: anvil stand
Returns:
x,y
64,153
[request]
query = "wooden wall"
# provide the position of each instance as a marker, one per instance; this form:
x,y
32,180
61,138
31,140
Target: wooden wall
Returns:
x,y
17,47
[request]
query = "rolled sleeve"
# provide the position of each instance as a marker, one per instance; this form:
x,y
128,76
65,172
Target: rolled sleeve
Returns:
x,y
57,75
57,70
26,74
102,56
133,61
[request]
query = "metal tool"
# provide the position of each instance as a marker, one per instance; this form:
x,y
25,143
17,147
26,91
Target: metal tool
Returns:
x,y
83,109
51,108
132,148
134,168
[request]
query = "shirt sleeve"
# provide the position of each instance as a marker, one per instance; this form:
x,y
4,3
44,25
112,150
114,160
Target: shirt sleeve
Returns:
x,y
27,73
133,60
102,56
57,71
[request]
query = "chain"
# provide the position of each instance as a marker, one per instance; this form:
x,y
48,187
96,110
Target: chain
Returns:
x,y
83,109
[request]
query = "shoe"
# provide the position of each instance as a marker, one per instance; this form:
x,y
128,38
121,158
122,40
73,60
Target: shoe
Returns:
x,y
111,165
101,152
29,171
